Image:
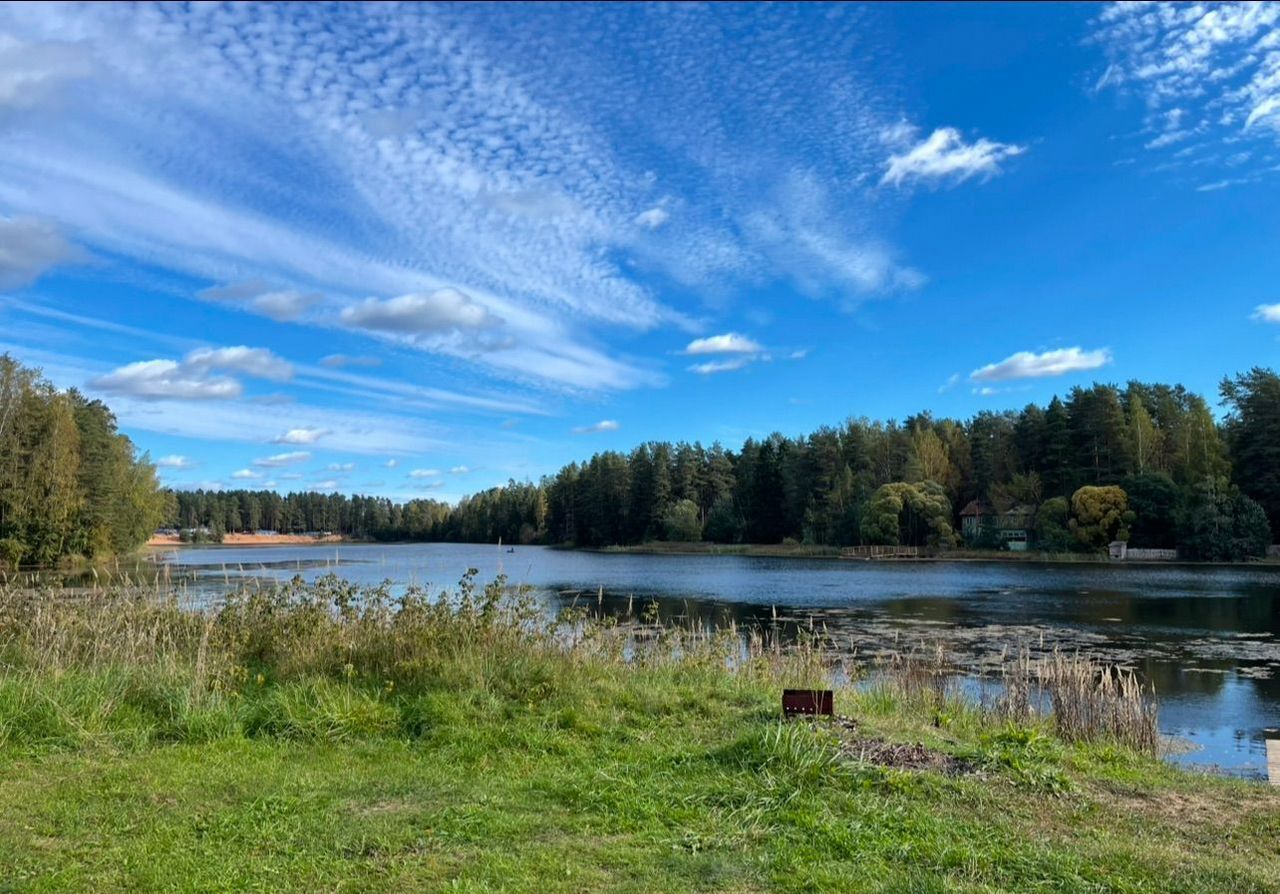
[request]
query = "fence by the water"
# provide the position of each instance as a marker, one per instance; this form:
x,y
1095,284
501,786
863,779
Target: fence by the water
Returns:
x,y
880,552
1151,555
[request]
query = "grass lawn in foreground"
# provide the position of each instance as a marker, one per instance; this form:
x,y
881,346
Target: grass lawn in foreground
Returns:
x,y
326,738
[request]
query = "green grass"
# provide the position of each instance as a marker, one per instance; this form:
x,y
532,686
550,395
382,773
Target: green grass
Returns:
x,y
282,746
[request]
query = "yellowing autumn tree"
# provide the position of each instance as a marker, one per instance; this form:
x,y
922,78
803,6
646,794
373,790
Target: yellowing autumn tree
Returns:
x,y
1100,515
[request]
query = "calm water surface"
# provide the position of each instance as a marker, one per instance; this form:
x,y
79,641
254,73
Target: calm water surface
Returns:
x,y
1208,638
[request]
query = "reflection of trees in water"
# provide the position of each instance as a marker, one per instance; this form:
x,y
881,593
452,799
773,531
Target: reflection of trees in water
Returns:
x,y
1176,678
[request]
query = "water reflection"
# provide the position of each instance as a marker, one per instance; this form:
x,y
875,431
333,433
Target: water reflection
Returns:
x,y
1208,638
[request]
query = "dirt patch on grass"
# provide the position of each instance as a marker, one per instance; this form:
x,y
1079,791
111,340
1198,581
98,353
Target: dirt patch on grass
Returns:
x,y
897,755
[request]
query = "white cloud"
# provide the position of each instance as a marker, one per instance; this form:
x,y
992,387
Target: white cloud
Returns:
x,y
473,161
340,467
277,460
425,473
459,470
602,426
944,155
193,378
166,379
244,474
174,461
281,305
304,435
1267,313
1209,74
328,484
718,366
391,463
444,310
341,361
1030,365
31,74
29,247
952,381
728,343
652,218
257,362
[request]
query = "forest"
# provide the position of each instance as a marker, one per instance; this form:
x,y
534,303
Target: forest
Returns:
x,y
1147,463
71,485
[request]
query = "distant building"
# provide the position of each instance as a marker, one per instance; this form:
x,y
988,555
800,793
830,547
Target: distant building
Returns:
x,y
1014,526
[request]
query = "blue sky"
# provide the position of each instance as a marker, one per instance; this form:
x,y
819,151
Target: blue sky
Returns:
x,y
420,250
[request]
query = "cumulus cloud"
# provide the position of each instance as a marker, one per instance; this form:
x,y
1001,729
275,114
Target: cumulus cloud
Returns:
x,y
340,467
29,247
277,460
459,470
425,473
304,435
257,362
341,361
944,155
444,310
245,474
281,305
652,218
193,378
952,381
391,463
327,484
166,379
174,461
728,343
1267,313
602,426
1030,365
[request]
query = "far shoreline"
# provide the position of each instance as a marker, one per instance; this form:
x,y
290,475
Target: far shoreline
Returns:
x,y
703,548
172,540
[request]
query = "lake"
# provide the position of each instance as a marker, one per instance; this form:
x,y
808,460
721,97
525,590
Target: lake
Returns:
x,y
1208,638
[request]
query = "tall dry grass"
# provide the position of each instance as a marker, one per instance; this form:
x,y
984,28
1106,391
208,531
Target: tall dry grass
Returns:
x,y
356,655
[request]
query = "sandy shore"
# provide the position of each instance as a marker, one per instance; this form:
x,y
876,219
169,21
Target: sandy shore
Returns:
x,y
251,540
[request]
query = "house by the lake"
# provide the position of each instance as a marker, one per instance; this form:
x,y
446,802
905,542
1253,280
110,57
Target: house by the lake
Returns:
x,y
1015,526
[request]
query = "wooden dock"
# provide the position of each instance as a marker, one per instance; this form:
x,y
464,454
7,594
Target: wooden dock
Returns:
x,y
1273,761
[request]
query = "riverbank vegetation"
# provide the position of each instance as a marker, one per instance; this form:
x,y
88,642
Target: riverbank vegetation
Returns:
x,y
322,737
70,484
1146,463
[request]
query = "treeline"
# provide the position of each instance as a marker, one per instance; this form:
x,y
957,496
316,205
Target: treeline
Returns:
x,y
1147,463
70,483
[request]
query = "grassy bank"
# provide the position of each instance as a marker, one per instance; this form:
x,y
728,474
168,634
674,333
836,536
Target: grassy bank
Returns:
x,y
324,738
